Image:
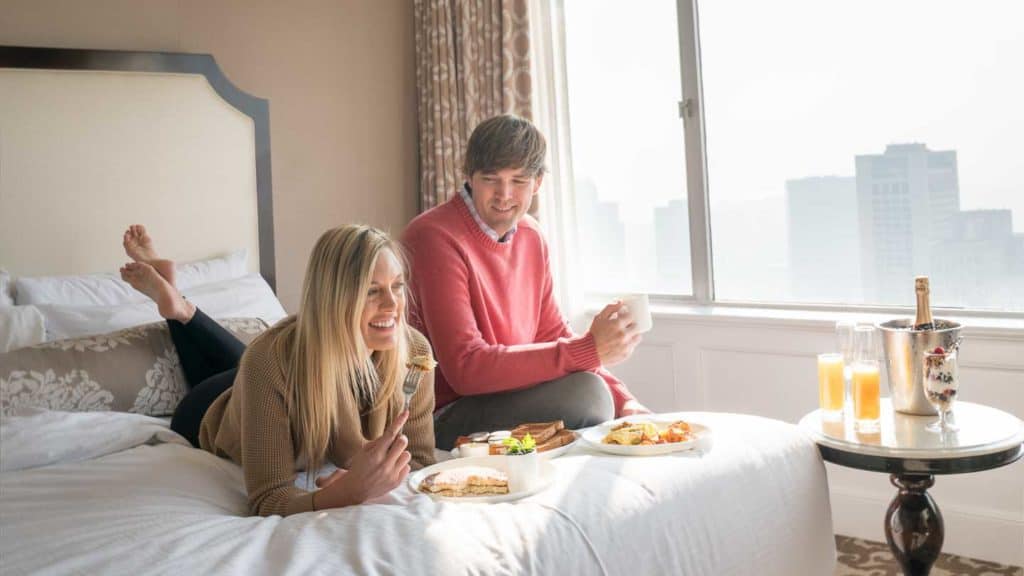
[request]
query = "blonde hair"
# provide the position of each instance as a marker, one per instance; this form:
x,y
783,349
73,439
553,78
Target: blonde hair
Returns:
x,y
326,357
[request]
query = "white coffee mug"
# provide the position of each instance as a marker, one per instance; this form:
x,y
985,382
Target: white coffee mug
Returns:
x,y
640,307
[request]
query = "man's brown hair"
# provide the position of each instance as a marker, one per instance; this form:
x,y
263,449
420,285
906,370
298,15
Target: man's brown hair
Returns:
x,y
505,141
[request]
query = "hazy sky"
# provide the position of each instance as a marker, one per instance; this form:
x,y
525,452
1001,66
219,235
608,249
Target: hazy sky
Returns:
x,y
626,132
797,88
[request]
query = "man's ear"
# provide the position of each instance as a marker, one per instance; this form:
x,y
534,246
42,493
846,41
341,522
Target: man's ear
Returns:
x,y
536,185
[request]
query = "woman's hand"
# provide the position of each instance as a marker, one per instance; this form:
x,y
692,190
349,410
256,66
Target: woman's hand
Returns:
x,y
375,470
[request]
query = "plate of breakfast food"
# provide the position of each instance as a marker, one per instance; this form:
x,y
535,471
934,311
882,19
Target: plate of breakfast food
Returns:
x,y
645,435
552,439
483,479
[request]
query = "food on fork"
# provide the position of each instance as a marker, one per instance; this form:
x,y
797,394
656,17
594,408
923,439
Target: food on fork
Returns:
x,y
466,481
423,363
646,433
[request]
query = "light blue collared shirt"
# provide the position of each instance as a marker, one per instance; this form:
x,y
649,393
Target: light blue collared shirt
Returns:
x,y
467,196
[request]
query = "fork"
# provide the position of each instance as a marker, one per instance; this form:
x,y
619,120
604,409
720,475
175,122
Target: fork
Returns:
x,y
412,380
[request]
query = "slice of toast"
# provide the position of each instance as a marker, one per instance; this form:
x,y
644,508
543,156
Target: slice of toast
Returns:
x,y
561,438
541,431
558,424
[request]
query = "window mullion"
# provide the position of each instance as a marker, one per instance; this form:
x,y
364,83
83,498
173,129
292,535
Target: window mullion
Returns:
x,y
692,110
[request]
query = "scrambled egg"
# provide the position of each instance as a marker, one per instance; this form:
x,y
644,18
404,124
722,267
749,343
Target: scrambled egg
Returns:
x,y
635,434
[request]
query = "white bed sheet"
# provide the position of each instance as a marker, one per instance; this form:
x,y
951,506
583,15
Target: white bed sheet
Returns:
x,y
120,494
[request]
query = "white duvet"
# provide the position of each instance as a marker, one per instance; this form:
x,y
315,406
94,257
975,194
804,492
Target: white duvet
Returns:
x,y
110,493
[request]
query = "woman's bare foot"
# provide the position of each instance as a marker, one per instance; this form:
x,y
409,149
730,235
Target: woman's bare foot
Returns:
x,y
147,280
139,247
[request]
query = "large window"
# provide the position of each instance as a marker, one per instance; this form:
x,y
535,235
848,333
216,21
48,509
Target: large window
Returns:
x,y
849,146
622,67
852,145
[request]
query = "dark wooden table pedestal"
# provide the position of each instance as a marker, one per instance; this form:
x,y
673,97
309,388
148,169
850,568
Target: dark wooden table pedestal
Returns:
x,y
912,456
913,524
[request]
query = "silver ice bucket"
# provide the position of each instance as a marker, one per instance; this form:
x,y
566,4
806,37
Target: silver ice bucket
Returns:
x,y
904,360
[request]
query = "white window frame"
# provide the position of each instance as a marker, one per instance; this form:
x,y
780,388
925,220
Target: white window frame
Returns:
x,y
552,116
692,111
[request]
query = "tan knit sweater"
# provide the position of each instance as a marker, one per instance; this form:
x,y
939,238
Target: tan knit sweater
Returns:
x,y
249,424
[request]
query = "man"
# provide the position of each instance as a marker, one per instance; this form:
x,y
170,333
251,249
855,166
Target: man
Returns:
x,y
482,294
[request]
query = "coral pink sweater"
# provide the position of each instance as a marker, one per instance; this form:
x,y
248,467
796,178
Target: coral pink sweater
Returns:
x,y
488,309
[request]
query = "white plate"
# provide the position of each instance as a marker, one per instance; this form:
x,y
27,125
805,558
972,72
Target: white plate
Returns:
x,y
548,455
593,436
547,477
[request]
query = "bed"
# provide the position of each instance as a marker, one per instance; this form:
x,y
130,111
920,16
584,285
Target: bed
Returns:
x,y
106,490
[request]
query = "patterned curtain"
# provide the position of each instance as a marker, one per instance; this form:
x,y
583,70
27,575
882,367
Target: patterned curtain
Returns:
x,y
472,62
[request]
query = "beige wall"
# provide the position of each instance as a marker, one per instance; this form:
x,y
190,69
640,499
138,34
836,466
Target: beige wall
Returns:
x,y
339,76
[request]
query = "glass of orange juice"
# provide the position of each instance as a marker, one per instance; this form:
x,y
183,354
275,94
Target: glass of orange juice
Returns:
x,y
866,402
831,388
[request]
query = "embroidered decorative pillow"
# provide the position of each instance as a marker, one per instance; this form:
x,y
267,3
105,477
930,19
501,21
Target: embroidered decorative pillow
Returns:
x,y
132,370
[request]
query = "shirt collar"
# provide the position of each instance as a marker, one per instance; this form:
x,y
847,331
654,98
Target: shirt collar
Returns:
x,y
467,196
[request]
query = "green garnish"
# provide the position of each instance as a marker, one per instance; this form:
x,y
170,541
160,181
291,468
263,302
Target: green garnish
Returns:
x,y
516,447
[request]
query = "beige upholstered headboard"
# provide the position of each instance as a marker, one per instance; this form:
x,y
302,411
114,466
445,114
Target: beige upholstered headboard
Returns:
x,y
91,141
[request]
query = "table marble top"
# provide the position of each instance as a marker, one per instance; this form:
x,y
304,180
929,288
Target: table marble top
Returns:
x,y
983,430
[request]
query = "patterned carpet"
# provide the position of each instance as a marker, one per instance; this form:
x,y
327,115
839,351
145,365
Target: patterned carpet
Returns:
x,y
866,558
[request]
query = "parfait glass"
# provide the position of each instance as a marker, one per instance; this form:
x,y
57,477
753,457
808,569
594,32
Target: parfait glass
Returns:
x,y
941,384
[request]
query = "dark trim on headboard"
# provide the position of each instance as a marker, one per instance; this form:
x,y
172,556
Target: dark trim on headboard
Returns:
x,y
173,62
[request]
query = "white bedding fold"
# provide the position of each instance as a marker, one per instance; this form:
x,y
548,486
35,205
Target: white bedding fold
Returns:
x,y
32,437
756,503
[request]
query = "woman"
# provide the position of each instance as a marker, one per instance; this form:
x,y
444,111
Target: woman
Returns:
x,y
322,385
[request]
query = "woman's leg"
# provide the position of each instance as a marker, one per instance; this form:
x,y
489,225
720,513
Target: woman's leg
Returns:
x,y
204,347
189,413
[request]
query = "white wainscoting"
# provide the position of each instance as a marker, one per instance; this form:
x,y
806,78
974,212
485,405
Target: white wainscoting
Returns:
x,y
739,362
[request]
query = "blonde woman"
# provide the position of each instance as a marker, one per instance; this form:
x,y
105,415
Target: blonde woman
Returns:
x,y
323,385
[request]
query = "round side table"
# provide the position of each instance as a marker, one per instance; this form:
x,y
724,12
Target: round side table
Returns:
x,y
912,456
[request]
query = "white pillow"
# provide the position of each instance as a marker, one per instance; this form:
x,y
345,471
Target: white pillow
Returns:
x,y
246,297
64,322
209,271
84,290
6,289
110,290
20,326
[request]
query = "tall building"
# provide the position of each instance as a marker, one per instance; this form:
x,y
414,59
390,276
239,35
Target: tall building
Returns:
x,y
602,239
978,266
822,239
672,247
906,201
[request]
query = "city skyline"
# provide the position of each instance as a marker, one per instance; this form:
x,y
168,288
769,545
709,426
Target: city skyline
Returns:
x,y
847,239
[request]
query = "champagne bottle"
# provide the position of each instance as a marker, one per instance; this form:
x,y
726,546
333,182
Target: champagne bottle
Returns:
x,y
923,321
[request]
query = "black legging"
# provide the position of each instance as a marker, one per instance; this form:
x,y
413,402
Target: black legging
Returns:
x,y
209,356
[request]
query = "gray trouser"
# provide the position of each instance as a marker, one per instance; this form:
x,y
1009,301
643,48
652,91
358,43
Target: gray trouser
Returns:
x,y
579,399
